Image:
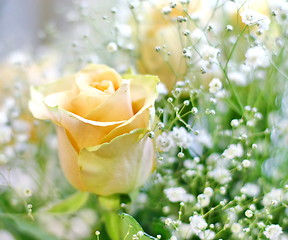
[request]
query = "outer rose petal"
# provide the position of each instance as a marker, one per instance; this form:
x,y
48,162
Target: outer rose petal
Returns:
x,y
82,132
68,159
119,166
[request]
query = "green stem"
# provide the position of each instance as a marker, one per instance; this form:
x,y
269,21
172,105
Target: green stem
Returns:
x,y
110,206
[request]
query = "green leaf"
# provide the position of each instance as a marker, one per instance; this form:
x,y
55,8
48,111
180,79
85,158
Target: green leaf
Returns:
x,y
71,204
28,227
130,227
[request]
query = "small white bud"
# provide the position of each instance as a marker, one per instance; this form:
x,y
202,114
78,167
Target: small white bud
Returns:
x,y
186,102
248,213
246,163
112,47
235,123
194,110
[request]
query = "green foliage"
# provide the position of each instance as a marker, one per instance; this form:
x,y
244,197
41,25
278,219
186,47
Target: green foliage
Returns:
x,y
71,204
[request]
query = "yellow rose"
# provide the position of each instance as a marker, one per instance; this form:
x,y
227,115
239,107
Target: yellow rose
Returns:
x,y
103,121
159,29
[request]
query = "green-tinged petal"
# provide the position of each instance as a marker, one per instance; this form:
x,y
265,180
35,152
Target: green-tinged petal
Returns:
x,y
119,166
143,91
38,94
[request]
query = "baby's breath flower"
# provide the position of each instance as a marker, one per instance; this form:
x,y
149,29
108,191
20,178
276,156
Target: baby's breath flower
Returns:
x,y
246,163
238,77
177,194
235,123
162,90
203,200
221,175
273,231
234,150
168,221
215,85
186,102
208,191
112,47
164,142
250,189
207,235
251,17
166,10
257,57
181,137
194,110
236,228
275,196
248,213
198,224
209,53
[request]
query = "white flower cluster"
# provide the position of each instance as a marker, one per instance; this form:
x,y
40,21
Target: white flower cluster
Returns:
x,y
280,9
233,151
257,57
273,232
178,194
215,85
251,17
198,224
274,198
178,136
209,58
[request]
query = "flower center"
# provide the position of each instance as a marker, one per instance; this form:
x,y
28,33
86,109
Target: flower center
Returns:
x,y
104,86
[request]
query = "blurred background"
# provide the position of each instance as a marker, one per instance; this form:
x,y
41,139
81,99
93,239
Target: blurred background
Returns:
x,y
26,25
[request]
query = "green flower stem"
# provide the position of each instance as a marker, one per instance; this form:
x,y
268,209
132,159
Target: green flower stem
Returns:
x,y
110,206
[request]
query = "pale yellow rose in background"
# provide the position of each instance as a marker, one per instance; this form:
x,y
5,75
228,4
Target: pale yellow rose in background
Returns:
x,y
160,29
8,76
103,121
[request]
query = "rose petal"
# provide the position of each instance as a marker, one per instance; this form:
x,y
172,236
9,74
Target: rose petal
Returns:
x,y
95,73
141,120
68,160
82,132
143,93
119,166
84,103
117,107
36,104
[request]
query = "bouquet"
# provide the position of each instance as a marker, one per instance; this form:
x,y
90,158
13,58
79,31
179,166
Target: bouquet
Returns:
x,y
149,120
